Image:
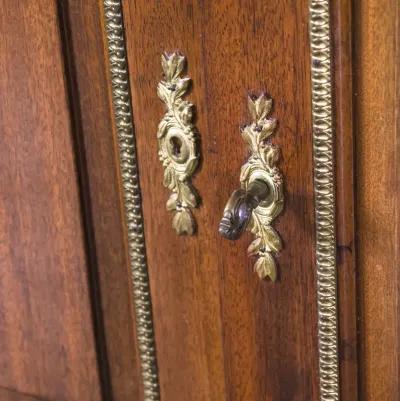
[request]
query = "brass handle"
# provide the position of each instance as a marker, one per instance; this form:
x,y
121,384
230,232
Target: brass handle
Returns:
x,y
260,199
239,208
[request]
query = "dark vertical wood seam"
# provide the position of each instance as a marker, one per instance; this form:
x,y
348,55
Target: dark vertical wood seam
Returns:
x,y
72,95
345,178
356,34
397,177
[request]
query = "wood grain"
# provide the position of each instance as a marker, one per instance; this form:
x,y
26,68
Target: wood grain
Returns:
x,y
12,395
345,231
98,166
47,346
220,332
377,165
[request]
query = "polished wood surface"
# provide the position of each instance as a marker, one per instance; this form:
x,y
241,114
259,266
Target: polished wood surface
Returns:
x,y
376,100
47,345
221,333
345,230
86,54
67,327
12,395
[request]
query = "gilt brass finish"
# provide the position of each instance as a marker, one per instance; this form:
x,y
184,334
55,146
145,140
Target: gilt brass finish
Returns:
x,y
177,143
260,199
123,124
324,195
321,47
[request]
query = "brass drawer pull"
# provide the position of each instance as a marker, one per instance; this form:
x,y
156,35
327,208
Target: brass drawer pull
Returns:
x,y
260,199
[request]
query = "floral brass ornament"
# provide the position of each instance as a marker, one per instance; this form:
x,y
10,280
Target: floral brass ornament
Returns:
x,y
260,199
261,165
177,140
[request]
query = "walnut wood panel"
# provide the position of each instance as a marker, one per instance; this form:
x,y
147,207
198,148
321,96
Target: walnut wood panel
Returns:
x,y
220,332
377,166
47,346
346,263
12,395
98,165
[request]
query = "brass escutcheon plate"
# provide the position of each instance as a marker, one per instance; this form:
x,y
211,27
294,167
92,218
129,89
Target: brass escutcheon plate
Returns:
x,y
262,165
177,142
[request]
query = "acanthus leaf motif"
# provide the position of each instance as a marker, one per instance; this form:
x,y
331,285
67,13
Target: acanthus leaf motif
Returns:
x,y
181,86
267,128
188,196
177,142
172,65
169,178
271,240
183,222
163,92
172,202
162,128
245,171
270,155
265,266
254,247
259,107
262,163
250,137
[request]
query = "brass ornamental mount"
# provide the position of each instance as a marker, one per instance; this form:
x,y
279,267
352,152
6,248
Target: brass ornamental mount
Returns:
x,y
260,199
177,142
123,125
321,49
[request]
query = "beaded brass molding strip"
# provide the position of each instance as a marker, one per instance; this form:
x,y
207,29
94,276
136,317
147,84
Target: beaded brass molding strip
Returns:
x,y
132,197
324,192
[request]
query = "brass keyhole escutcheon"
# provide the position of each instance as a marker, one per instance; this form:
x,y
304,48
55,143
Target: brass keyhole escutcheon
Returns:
x,y
260,199
177,147
177,143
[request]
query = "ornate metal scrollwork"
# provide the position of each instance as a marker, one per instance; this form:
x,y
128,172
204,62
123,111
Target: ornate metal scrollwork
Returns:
x,y
262,166
177,139
260,199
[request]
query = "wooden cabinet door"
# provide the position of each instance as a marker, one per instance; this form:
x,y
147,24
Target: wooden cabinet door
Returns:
x,y
47,341
208,327
100,298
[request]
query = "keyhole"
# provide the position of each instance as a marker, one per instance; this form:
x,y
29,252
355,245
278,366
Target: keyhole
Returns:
x,y
176,145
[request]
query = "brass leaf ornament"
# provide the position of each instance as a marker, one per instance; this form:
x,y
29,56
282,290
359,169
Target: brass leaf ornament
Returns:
x,y
261,166
177,140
